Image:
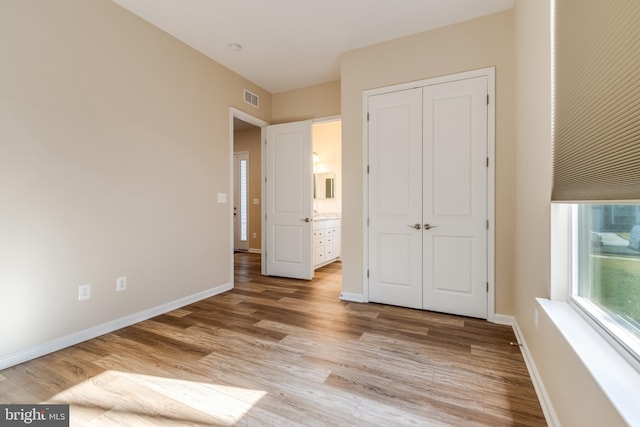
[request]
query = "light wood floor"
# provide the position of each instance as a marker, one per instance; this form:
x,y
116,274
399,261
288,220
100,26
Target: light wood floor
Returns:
x,y
285,352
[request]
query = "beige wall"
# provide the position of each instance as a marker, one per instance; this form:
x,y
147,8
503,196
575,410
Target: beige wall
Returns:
x,y
114,141
311,102
470,45
533,158
576,398
249,140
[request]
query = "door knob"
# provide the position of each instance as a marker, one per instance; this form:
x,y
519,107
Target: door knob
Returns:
x,y
306,220
416,226
429,226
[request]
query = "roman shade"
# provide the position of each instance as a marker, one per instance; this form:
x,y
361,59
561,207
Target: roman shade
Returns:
x,y
596,101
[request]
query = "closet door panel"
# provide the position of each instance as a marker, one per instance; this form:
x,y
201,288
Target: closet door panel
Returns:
x,y
395,208
454,197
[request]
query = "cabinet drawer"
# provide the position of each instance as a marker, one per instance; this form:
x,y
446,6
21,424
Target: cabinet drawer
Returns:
x,y
318,255
328,252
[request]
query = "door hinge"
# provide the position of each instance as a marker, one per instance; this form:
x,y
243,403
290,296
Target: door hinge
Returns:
x,y
265,217
487,99
367,116
367,274
367,222
265,179
487,286
487,162
367,169
487,224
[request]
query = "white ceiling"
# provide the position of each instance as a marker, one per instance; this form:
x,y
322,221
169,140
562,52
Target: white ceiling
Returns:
x,y
289,44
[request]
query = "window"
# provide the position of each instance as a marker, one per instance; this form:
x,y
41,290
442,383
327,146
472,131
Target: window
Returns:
x,y
244,201
606,270
596,163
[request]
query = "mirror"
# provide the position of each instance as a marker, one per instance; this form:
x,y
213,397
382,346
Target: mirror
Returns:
x,y
324,185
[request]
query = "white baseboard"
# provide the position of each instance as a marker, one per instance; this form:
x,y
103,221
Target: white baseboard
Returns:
x,y
347,296
538,385
503,319
18,357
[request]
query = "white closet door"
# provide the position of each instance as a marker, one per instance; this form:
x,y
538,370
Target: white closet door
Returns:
x,y
288,198
455,197
428,197
395,203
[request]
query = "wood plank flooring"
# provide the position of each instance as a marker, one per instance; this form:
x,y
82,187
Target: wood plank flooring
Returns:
x,y
284,352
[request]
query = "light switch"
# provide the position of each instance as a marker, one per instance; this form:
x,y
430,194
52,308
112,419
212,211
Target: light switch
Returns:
x,y
256,201
222,197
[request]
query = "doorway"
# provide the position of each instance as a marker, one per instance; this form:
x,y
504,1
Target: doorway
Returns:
x,y
302,223
246,134
247,191
327,136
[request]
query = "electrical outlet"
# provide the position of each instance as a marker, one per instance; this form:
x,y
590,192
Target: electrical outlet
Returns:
x,y
84,292
535,318
255,235
121,284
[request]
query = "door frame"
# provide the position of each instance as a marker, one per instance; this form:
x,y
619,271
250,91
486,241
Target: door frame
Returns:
x,y
489,73
235,113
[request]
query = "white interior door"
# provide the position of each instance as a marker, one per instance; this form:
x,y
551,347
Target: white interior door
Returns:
x,y
241,201
395,205
288,198
455,197
428,197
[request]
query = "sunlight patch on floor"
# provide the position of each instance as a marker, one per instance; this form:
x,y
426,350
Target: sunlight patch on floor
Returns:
x,y
134,399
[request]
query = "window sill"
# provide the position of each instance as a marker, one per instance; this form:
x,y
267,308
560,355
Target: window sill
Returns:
x,y
618,380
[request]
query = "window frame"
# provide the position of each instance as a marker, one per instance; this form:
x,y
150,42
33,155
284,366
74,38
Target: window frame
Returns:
x,y
614,334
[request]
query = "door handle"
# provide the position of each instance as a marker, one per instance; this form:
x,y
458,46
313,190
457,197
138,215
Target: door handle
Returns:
x,y
429,226
416,226
306,220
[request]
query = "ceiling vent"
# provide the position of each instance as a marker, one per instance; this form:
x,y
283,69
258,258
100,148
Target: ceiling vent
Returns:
x,y
251,98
